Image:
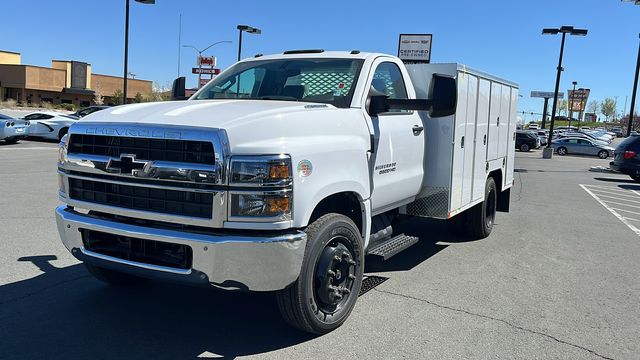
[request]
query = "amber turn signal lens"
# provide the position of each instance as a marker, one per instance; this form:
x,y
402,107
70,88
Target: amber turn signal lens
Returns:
x,y
277,205
279,171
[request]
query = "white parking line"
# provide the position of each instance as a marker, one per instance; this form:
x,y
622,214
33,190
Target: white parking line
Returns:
x,y
624,220
29,148
637,201
629,211
598,191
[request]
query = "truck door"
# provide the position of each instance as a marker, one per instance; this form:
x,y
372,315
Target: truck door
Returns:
x,y
396,162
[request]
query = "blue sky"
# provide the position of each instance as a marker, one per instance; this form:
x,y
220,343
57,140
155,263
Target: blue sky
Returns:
x,y
501,37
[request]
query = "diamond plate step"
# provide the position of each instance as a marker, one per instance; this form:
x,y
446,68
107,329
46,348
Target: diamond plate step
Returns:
x,y
392,246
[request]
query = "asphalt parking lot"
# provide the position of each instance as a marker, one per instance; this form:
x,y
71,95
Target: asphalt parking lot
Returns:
x,y
559,278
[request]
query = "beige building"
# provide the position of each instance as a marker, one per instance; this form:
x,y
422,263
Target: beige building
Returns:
x,y
70,82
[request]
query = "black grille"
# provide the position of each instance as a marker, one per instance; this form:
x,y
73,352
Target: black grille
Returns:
x,y
199,152
139,250
142,198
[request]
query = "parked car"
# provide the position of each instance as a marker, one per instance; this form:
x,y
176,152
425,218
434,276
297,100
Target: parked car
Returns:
x,y
618,131
89,110
626,158
577,134
12,130
49,125
581,146
526,141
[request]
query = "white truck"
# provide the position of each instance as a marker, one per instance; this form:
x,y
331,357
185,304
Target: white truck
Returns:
x,y
284,172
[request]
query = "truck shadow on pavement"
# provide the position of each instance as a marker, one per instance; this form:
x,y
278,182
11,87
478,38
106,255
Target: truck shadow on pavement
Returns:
x,y
66,314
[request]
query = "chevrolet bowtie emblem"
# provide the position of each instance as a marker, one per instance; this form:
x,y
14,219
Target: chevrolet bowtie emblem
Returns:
x,y
127,164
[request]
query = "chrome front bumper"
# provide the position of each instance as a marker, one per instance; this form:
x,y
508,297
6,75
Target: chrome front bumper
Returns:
x,y
247,262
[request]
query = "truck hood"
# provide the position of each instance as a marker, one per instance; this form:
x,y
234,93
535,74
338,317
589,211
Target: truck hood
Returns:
x,y
252,126
225,114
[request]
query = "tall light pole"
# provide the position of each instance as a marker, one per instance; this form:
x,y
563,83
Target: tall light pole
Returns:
x,y
126,45
248,29
564,30
200,55
635,92
571,97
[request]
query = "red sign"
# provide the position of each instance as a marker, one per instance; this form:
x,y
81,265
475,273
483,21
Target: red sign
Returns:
x,y
207,61
211,71
204,82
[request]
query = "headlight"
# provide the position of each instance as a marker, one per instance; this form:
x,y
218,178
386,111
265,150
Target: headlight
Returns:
x,y
253,202
273,206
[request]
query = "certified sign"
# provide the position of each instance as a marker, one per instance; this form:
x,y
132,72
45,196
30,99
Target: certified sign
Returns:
x,y
415,47
545,94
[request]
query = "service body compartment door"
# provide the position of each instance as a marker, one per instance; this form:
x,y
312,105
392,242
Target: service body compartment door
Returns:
x,y
503,128
470,139
460,140
494,121
482,129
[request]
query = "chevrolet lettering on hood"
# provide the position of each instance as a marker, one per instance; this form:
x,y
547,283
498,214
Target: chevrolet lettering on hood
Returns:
x,y
133,132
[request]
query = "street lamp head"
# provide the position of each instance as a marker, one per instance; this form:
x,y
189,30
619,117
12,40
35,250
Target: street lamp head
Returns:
x,y
550,31
249,29
574,83
579,32
150,2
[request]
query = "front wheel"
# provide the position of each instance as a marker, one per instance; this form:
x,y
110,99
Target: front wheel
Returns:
x,y
562,151
482,216
327,289
524,147
603,154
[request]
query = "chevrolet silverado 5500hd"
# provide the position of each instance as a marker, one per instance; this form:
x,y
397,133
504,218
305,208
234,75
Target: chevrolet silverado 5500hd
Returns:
x,y
284,172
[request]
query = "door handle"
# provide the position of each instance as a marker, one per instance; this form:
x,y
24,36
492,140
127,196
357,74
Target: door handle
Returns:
x,y
484,140
417,129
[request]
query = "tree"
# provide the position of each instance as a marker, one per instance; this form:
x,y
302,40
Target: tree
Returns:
x,y
593,107
138,98
562,106
98,94
117,97
608,108
159,92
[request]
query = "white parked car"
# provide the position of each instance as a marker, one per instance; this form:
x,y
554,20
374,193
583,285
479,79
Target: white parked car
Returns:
x,y
49,124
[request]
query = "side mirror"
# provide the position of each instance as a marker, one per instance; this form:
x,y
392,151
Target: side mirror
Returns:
x,y
178,91
444,96
443,102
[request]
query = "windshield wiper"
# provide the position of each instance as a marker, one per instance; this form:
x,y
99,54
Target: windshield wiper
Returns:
x,y
278,97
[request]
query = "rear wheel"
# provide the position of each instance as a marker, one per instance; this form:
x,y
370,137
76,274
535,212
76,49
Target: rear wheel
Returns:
x,y
562,151
10,141
603,154
62,133
524,148
114,277
482,216
327,289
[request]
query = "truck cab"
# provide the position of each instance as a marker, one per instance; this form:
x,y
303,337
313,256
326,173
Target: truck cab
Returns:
x,y
283,173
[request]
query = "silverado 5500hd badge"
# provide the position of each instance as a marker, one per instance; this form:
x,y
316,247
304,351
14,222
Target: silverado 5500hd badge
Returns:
x,y
386,168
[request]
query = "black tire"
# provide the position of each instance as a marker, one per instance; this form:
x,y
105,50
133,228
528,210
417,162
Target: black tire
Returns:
x,y
603,154
525,148
482,216
635,178
310,304
11,141
114,277
62,133
562,151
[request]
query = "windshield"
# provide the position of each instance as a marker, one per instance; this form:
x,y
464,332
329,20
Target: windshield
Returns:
x,y
329,81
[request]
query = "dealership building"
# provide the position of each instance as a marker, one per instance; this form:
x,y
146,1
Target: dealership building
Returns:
x,y
65,82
